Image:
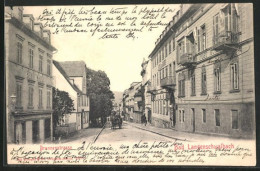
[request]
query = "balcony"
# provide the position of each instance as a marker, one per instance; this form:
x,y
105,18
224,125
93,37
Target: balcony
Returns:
x,y
151,89
168,81
225,40
187,59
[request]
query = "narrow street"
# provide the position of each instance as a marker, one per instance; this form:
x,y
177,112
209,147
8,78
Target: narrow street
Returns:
x,y
128,133
133,132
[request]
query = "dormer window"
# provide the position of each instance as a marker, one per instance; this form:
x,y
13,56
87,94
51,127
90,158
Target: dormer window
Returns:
x,y
31,24
28,19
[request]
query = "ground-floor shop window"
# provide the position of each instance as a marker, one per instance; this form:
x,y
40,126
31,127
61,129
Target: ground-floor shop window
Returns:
x,y
217,117
204,115
181,115
47,128
234,119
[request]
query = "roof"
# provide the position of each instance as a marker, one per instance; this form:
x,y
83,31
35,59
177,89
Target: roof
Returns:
x,y
62,71
22,26
74,68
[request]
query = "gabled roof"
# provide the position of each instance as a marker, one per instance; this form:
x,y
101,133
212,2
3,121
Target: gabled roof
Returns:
x,y
62,71
74,68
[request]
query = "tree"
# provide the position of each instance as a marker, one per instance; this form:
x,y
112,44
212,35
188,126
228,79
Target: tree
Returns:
x,y
61,103
100,95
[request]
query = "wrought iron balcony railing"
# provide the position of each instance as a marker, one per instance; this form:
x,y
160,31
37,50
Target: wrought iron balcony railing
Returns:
x,y
168,81
225,40
187,59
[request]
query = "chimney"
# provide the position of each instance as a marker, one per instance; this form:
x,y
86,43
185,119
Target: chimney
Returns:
x,y
47,36
16,12
38,28
29,21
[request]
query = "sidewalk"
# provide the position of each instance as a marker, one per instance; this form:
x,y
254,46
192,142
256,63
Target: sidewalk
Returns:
x,y
87,134
178,135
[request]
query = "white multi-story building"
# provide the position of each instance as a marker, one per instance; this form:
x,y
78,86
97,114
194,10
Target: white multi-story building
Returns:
x,y
28,67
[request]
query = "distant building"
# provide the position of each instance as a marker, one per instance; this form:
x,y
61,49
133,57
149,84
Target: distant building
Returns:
x,y
203,71
70,76
28,59
133,103
146,84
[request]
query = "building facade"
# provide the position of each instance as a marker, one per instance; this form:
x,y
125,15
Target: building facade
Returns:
x,y
214,69
29,81
133,103
70,76
146,82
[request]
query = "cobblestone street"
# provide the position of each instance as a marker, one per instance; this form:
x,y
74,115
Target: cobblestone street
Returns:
x,y
134,132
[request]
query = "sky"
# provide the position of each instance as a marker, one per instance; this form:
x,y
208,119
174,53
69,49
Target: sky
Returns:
x,y
120,58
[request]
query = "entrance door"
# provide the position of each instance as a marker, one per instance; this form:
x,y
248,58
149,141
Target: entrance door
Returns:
x,y
23,132
173,117
47,128
193,119
149,116
35,131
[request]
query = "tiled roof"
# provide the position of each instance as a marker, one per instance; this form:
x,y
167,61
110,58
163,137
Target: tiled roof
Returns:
x,y
73,68
62,71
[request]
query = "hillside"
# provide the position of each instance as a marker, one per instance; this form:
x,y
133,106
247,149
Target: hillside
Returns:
x,y
118,96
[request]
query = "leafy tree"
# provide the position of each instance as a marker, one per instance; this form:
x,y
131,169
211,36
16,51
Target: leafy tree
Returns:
x,y
61,103
100,95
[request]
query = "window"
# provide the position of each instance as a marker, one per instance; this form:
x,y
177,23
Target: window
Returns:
x,y
48,99
19,52
181,49
204,115
40,63
166,51
170,46
234,76
30,58
193,84
158,57
203,81
225,23
217,117
217,79
234,114
49,67
162,57
170,70
40,98
162,73
84,100
215,28
192,118
30,95
158,78
161,107
203,38
181,115
190,41
18,94
181,85
173,44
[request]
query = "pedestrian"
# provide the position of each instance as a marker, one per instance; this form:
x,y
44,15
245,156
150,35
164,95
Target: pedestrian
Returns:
x,y
145,121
